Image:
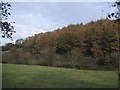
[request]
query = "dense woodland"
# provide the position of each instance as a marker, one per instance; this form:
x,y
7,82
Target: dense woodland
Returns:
x,y
93,45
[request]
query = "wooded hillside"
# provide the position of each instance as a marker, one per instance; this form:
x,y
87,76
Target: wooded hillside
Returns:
x,y
85,46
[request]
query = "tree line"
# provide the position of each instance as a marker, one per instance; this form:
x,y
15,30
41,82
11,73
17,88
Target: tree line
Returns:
x,y
93,45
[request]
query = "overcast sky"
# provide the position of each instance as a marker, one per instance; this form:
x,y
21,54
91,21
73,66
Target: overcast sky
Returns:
x,y
36,17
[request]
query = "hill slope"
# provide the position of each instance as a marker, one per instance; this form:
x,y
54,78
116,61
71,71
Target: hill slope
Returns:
x,y
85,46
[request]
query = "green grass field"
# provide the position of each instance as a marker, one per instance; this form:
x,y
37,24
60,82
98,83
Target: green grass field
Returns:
x,y
28,76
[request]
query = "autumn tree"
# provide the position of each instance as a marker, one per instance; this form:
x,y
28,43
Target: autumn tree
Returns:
x,y
14,55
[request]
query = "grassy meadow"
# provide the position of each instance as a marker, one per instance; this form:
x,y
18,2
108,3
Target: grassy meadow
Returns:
x,y
28,76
